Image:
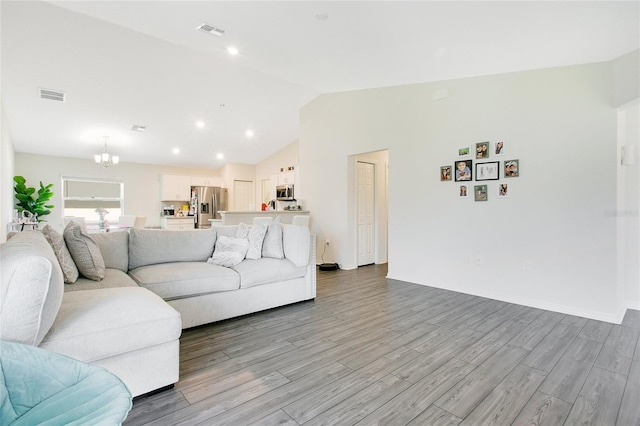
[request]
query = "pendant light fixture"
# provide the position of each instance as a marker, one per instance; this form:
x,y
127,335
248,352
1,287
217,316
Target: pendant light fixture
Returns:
x,y
105,159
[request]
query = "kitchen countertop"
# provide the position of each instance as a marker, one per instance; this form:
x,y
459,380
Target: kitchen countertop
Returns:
x,y
233,218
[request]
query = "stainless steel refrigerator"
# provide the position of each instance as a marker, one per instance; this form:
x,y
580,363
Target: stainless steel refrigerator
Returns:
x,y
208,202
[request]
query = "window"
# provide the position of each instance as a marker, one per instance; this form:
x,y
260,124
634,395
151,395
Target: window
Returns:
x,y
82,196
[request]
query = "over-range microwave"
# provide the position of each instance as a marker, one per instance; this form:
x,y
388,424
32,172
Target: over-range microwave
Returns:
x,y
284,193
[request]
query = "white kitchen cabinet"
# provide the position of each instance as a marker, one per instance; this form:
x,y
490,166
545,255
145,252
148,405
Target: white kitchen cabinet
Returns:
x,y
286,178
206,181
175,188
177,224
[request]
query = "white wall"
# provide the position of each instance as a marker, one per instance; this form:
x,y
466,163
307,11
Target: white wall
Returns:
x,y
141,181
550,245
6,175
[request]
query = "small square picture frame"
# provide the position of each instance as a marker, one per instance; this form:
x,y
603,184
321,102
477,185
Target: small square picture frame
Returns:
x,y
503,190
445,173
462,152
463,170
498,149
482,150
480,193
511,168
463,192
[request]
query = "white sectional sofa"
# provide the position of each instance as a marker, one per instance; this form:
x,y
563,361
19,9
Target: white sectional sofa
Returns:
x,y
156,282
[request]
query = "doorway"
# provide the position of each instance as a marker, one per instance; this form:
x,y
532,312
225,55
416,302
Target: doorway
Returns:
x,y
243,195
368,208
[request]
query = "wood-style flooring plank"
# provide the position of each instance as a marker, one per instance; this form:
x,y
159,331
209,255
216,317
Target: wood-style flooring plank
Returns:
x,y
618,349
543,410
630,409
504,403
599,400
467,394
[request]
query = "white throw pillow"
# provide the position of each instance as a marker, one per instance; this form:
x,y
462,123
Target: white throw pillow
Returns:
x,y
272,245
256,238
229,251
242,231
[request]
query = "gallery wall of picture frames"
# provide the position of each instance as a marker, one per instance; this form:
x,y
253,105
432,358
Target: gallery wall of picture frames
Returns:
x,y
464,171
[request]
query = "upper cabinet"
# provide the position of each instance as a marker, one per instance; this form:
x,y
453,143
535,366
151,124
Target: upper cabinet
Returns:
x,y
206,181
175,188
286,178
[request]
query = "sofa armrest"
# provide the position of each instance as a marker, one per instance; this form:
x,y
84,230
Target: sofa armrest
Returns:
x,y
296,241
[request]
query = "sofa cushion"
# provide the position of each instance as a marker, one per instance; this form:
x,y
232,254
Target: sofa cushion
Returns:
x,y
267,270
229,251
272,245
114,247
112,278
56,240
153,246
85,252
242,231
185,279
97,324
296,241
31,288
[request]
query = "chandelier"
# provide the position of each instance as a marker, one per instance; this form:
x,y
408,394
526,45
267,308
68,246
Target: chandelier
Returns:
x,y
105,159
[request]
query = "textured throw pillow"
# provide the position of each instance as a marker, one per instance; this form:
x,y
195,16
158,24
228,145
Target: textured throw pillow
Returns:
x,y
256,238
229,251
69,269
242,231
272,245
85,252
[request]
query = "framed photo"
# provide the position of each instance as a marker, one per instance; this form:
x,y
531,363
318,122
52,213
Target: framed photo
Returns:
x,y
503,190
488,171
445,173
512,168
480,192
463,151
463,170
463,193
482,150
498,148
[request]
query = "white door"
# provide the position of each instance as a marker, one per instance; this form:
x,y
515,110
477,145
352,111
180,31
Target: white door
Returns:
x,y
366,213
243,195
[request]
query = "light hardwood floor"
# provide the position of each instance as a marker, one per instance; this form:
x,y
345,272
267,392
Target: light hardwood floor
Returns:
x,y
374,351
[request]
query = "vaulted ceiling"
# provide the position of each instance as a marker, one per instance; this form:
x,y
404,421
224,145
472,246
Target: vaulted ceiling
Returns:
x,y
125,63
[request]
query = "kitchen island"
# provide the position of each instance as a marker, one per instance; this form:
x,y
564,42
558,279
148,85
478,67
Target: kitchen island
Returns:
x,y
234,218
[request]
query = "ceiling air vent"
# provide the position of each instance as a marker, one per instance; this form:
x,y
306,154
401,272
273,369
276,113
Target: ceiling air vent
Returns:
x,y
52,95
210,29
138,128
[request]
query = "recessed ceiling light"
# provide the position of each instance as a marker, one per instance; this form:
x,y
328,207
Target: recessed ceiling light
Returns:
x,y
176,150
138,128
249,133
220,156
199,124
233,51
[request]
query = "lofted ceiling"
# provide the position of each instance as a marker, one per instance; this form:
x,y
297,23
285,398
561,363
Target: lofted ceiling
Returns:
x,y
125,63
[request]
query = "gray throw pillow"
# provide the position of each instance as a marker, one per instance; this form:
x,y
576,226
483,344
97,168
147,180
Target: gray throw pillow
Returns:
x,y
55,239
272,245
85,252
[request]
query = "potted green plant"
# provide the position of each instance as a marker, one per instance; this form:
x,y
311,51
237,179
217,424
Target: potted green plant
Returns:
x,y
31,201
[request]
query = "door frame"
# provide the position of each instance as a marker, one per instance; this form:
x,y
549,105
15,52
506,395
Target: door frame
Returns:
x,y
381,212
